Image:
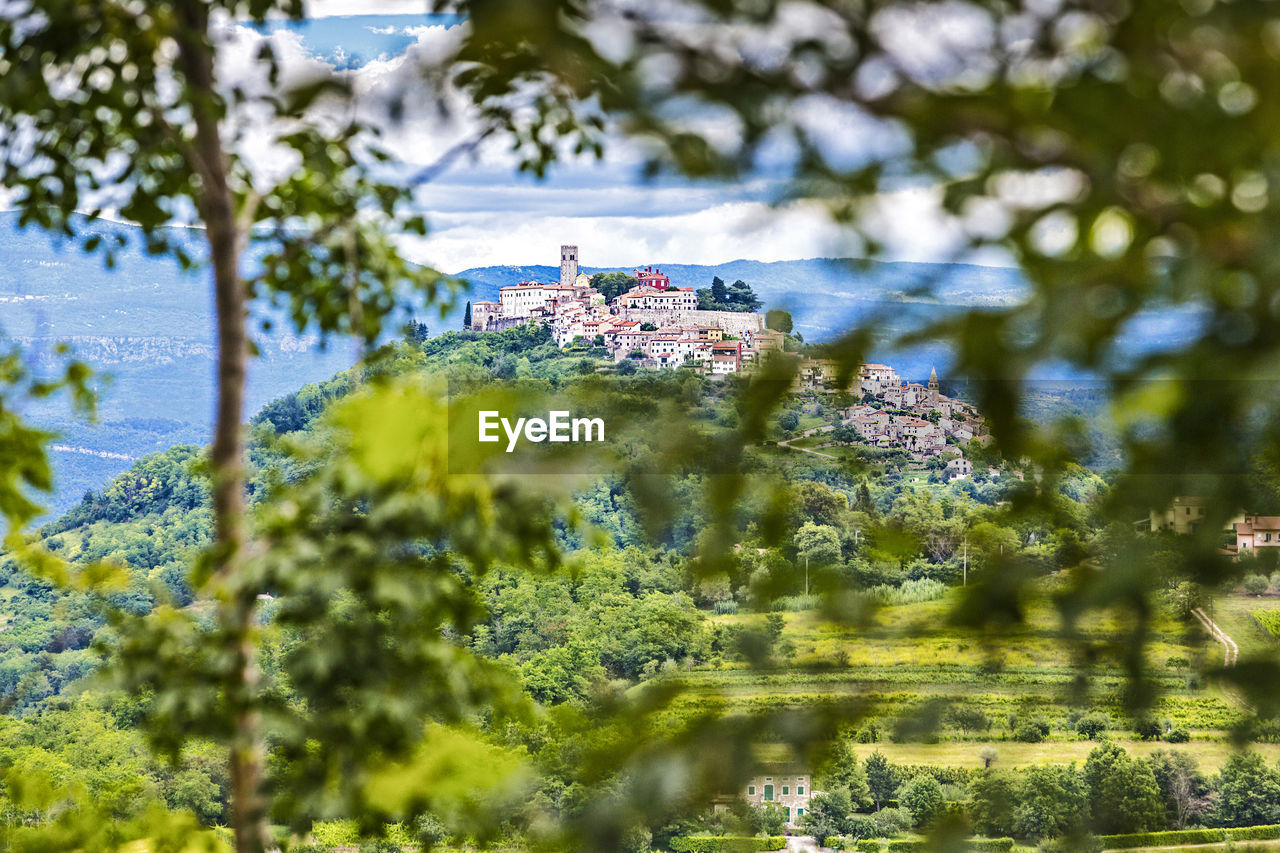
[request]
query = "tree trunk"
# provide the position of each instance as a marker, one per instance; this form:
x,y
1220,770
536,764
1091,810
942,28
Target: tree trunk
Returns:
x,y
235,599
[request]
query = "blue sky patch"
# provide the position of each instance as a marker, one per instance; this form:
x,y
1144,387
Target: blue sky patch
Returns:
x,y
350,43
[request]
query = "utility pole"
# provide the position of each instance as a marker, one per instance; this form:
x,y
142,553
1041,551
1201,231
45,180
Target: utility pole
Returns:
x,y
965,581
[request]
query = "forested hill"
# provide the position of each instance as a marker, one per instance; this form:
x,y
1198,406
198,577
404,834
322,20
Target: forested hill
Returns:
x,y
154,518
145,322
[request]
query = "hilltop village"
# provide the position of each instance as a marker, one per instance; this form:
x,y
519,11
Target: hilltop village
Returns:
x,y
913,417
653,324
656,325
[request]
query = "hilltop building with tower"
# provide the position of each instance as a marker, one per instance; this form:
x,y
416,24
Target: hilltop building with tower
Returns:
x,y
655,323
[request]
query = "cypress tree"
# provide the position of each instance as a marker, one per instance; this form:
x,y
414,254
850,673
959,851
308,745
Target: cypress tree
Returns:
x,y
718,291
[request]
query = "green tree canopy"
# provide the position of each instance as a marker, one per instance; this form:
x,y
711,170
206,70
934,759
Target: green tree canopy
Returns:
x,y
882,778
778,320
1123,791
613,284
818,544
1248,791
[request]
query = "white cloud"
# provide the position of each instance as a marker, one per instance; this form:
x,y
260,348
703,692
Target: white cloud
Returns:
x,y
481,213
713,235
338,8
910,224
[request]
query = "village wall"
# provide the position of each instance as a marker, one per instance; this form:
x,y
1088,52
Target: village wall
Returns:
x,y
733,322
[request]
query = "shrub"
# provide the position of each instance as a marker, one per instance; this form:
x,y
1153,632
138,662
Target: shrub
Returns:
x,y
889,822
726,844
1031,731
1091,725
1147,729
1178,735
335,833
1189,836
906,846
969,719
922,796
381,845
1069,845
991,845
870,733
860,826
310,848
860,845
1256,584
945,774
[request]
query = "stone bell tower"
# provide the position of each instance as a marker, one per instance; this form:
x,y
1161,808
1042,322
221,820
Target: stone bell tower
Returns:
x,y
568,265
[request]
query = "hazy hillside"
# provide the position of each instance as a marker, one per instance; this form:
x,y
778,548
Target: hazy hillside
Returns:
x,y
147,327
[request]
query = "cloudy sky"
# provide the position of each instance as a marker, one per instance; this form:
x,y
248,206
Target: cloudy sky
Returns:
x,y
482,213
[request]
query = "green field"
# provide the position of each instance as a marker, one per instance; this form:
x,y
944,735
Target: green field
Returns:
x,y
1231,612
1210,754
907,658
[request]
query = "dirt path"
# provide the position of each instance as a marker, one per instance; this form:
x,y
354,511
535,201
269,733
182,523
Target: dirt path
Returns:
x,y
788,444
1230,651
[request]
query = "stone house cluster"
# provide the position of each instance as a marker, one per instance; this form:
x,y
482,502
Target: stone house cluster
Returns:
x,y
654,324
919,431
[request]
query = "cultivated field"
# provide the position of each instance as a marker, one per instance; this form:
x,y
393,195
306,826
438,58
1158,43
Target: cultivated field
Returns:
x,y
907,662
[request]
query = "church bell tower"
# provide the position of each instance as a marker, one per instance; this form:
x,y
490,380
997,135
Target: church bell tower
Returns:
x,y
568,265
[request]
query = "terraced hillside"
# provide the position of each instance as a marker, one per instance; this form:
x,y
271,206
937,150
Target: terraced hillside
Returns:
x,y
938,694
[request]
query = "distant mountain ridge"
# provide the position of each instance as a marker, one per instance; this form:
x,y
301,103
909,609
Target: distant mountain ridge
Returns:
x,y
800,286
